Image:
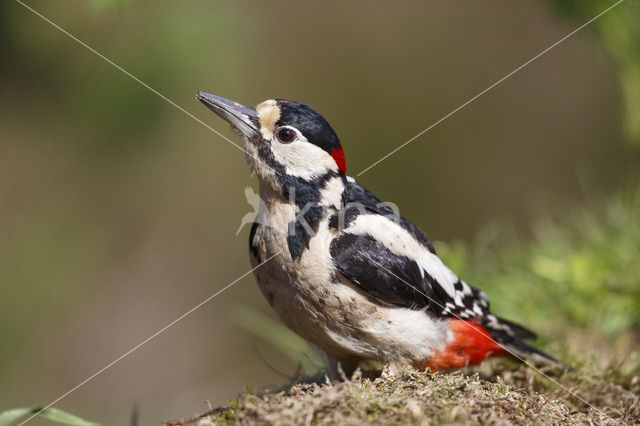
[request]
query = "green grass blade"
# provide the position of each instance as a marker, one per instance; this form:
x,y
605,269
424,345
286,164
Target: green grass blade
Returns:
x,y
11,416
63,417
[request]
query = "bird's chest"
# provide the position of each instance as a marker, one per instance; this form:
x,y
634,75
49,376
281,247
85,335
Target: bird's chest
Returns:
x,y
304,291
292,276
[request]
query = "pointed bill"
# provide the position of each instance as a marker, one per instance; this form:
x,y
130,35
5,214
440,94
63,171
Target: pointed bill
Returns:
x,y
239,116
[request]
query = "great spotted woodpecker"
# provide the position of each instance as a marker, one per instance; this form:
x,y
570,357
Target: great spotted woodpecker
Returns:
x,y
352,276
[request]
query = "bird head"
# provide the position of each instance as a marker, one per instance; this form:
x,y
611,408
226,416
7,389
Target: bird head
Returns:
x,y
282,139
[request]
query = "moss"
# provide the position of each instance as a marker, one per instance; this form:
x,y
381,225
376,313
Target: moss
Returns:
x,y
511,396
577,284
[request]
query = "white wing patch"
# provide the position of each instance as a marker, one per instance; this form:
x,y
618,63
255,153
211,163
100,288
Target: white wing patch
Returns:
x,y
331,193
401,243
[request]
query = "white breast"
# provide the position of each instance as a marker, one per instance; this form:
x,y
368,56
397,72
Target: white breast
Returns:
x,y
319,304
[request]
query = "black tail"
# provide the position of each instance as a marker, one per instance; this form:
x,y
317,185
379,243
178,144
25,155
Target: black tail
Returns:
x,y
511,336
521,350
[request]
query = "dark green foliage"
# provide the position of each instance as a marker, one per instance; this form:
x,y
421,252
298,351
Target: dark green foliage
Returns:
x,y
581,270
620,35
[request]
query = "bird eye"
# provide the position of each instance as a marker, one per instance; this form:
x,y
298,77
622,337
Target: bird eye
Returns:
x,y
285,135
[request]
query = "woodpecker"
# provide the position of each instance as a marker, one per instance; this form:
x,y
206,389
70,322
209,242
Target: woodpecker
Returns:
x,y
344,270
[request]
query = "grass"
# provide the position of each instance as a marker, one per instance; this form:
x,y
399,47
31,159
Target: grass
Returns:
x,y
517,396
577,282
580,271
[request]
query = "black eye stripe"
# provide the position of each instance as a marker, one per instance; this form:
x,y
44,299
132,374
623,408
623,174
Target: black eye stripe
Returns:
x,y
285,135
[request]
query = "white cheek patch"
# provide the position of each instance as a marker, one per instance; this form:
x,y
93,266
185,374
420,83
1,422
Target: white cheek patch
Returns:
x,y
400,242
303,159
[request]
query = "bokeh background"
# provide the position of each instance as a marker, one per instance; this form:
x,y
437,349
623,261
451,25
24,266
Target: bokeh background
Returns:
x,y
118,212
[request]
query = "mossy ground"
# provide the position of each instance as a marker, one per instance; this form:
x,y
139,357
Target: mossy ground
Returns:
x,y
510,396
602,389
577,282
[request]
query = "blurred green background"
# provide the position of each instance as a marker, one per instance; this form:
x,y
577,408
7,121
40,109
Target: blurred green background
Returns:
x,y
118,212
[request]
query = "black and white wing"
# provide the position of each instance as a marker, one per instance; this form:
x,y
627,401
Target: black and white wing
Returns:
x,y
392,260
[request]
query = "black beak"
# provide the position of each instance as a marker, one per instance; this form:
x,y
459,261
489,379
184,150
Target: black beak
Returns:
x,y
239,116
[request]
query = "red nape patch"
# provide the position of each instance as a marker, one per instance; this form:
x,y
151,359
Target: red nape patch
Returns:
x,y
471,344
338,157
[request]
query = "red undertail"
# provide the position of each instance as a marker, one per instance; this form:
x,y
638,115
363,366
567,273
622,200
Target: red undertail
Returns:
x,y
471,344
